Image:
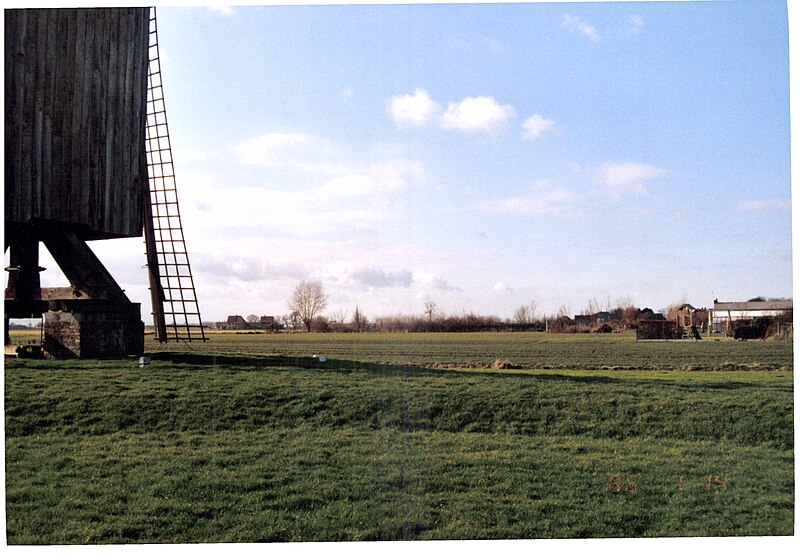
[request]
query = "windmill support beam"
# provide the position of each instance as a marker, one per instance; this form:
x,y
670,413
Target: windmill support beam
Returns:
x,y
23,299
92,318
82,267
157,296
95,320
22,294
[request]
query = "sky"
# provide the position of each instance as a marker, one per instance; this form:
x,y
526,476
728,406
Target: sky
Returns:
x,y
477,156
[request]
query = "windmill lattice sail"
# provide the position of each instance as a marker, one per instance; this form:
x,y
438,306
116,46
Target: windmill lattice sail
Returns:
x,y
176,313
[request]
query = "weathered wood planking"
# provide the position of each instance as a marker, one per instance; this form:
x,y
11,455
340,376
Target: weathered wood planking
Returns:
x,y
75,104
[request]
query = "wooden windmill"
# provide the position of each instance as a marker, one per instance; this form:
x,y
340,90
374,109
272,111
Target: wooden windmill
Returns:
x,y
86,159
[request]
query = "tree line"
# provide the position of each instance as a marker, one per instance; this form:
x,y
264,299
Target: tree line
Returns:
x,y
309,301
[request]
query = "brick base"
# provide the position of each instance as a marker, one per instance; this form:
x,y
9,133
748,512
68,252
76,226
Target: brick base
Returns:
x,y
93,334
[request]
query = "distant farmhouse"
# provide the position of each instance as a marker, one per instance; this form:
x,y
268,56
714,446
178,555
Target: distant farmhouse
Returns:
x,y
648,314
267,322
682,322
237,322
593,320
733,318
233,322
725,313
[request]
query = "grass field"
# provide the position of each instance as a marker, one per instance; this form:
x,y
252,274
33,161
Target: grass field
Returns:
x,y
248,438
526,350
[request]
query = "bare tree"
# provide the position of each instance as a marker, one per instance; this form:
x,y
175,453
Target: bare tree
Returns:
x,y
252,318
521,315
532,310
308,300
337,317
625,302
359,320
525,313
630,315
430,309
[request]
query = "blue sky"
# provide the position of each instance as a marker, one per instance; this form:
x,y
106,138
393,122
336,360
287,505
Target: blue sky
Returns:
x,y
479,156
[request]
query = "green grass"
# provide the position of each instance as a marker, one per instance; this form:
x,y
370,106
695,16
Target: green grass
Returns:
x,y
234,448
311,484
480,350
526,350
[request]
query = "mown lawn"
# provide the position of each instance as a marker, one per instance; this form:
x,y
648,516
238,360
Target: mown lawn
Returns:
x,y
218,447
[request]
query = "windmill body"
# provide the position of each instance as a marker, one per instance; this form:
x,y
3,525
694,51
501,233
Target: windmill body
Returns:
x,y
76,169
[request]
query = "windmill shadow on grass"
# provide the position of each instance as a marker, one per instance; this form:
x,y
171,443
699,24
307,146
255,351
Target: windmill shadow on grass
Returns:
x,y
351,366
342,366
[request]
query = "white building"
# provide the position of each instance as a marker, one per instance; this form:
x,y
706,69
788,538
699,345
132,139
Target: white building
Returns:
x,y
724,313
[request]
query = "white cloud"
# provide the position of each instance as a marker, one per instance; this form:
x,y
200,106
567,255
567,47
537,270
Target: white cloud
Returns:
x,y
536,125
343,195
348,273
432,281
187,155
558,201
478,114
379,178
502,287
544,200
626,177
634,25
547,198
615,174
279,148
347,186
244,268
764,205
221,8
377,277
574,23
398,173
417,109
472,114
371,277
300,213
307,153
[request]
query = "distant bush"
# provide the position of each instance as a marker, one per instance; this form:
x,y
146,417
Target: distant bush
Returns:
x,y
758,328
320,325
564,325
466,322
657,330
575,329
779,331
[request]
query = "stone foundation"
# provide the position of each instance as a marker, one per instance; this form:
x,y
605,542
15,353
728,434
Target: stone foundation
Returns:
x,y
93,333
